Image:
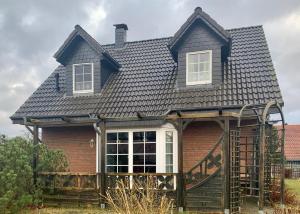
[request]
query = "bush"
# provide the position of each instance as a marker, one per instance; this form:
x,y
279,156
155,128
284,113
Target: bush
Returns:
x,y
16,173
289,197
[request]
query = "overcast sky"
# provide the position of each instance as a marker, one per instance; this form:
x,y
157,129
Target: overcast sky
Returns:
x,y
31,32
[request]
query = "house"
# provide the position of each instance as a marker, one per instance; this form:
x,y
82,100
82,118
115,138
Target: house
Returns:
x,y
292,150
177,108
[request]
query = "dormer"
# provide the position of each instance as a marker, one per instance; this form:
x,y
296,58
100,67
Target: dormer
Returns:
x,y
88,65
200,48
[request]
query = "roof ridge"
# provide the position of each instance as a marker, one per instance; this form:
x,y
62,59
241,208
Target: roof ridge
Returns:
x,y
169,37
143,40
246,27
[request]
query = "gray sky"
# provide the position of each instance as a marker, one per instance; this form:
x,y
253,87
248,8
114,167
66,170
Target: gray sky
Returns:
x,y
31,32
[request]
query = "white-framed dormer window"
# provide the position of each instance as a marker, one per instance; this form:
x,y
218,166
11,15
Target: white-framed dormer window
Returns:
x,y
83,78
199,67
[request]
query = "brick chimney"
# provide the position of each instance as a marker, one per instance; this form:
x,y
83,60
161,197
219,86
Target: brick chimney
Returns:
x,y
120,35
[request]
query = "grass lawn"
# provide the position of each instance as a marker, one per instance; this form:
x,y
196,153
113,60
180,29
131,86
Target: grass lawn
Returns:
x,y
294,186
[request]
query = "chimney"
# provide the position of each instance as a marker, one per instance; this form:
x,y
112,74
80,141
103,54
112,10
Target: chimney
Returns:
x,y
120,35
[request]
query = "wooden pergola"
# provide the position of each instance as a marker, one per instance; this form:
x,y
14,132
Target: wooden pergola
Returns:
x,y
181,119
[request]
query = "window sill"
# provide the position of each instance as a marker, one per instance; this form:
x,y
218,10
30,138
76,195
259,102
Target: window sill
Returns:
x,y
197,87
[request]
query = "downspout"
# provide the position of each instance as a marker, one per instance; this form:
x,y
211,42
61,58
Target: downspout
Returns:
x,y
98,152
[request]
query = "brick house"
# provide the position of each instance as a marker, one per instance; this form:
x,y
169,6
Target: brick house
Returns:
x,y
162,106
292,150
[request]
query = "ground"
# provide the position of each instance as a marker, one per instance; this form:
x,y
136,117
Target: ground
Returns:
x,y
292,184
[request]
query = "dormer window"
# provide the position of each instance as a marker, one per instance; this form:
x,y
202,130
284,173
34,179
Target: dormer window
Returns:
x,y
83,81
199,68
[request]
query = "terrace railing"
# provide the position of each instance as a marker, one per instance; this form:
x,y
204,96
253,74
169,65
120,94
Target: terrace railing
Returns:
x,y
161,181
68,181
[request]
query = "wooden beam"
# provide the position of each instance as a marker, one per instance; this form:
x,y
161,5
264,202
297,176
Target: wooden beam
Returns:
x,y
226,160
282,185
202,115
261,167
180,178
32,132
35,153
102,159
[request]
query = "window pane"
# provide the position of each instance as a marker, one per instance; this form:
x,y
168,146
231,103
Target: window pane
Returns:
x,y
111,137
123,160
87,68
123,137
150,148
111,159
169,159
150,136
192,77
169,168
150,169
138,136
138,148
150,159
87,77
204,66
204,76
78,86
78,78
169,148
138,169
78,70
111,148
192,58
87,85
138,159
111,169
169,136
123,148
123,168
204,57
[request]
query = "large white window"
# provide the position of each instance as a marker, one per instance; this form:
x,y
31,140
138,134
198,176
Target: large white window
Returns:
x,y
199,67
83,78
141,150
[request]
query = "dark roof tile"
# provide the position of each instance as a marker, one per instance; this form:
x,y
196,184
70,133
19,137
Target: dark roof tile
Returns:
x,y
146,82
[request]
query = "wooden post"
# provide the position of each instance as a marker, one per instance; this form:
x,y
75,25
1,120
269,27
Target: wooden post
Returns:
x,y
226,166
180,177
261,168
35,153
102,158
282,186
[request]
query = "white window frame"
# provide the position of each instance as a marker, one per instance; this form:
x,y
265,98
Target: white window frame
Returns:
x,y
73,73
187,68
160,146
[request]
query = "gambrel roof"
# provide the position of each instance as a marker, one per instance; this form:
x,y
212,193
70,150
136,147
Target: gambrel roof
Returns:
x,y
146,82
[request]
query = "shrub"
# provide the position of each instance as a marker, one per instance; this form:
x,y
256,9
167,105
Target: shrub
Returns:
x,y
289,197
16,173
137,200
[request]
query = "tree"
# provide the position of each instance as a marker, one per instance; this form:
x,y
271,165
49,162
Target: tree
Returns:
x,y
16,172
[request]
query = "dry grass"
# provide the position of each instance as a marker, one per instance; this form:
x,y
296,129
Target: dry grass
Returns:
x,y
66,211
142,198
286,210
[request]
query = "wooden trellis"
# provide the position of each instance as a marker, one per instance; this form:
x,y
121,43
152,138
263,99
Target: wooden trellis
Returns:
x,y
257,156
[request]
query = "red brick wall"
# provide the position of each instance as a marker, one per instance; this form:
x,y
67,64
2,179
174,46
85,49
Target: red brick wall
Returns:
x,y
74,141
198,139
